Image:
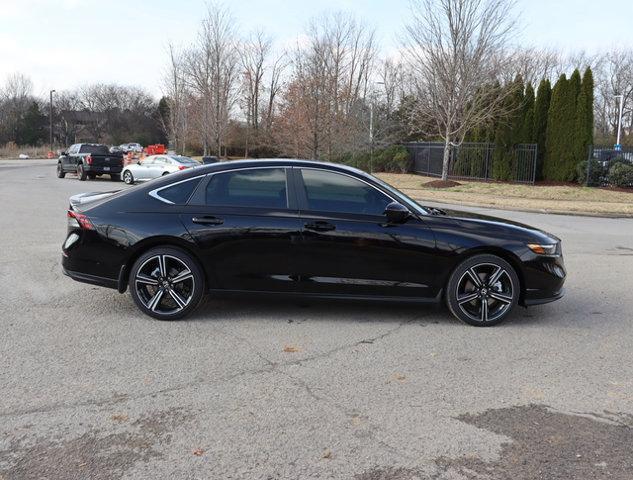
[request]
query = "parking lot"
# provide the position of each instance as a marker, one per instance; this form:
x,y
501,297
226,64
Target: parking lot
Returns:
x,y
265,389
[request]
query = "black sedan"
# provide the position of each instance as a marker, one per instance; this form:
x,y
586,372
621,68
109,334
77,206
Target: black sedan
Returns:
x,y
302,228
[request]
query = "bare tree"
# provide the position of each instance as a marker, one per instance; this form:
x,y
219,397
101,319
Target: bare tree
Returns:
x,y
254,55
212,75
454,49
15,97
532,64
329,84
176,93
613,74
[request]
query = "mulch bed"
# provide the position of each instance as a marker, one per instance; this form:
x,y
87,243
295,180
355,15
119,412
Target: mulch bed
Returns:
x,y
441,184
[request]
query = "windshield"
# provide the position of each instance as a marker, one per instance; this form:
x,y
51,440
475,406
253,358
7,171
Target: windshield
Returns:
x,y
183,160
402,197
95,149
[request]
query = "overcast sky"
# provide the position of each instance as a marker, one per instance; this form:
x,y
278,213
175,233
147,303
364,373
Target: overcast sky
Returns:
x,y
63,43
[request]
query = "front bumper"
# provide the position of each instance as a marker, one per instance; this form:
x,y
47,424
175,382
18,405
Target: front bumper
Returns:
x,y
528,302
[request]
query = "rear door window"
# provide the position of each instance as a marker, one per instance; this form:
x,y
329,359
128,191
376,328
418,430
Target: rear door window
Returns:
x,y
95,149
257,188
178,193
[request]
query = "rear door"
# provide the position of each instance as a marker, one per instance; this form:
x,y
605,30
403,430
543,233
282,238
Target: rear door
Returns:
x,y
348,247
246,224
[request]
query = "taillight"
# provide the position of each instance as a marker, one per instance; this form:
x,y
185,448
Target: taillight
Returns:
x,y
89,159
79,220
181,167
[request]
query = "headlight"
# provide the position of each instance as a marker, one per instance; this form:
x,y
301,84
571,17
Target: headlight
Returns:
x,y
547,249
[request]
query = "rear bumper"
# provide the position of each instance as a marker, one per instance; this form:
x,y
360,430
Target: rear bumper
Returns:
x,y
100,170
92,279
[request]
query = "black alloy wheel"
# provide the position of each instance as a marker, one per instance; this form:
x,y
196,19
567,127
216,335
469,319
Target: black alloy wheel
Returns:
x,y
483,290
166,283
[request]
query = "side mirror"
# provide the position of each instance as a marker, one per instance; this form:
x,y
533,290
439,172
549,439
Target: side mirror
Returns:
x,y
396,213
63,154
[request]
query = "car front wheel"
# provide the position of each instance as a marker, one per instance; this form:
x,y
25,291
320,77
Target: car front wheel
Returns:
x,y
166,283
60,170
128,178
483,290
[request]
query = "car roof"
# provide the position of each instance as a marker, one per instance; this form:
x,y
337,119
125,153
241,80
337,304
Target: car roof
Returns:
x,y
240,164
276,162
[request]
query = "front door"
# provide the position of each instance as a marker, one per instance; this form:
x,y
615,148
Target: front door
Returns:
x,y
247,226
348,247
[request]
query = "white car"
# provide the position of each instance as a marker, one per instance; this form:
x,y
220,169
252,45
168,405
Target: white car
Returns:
x,y
156,166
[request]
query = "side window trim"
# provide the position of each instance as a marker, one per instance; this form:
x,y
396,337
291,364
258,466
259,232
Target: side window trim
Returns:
x,y
303,198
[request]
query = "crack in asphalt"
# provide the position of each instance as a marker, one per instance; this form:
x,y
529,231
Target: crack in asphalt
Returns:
x,y
270,367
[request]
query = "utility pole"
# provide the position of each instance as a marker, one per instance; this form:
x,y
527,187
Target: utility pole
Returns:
x,y
371,137
50,116
371,132
617,142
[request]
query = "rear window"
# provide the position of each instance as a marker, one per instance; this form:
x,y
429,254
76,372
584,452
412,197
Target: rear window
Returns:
x,y
95,149
179,193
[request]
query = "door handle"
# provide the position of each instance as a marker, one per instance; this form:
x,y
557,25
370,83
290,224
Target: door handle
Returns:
x,y
207,220
320,226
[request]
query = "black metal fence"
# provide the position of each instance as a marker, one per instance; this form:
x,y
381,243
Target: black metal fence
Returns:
x,y
599,168
472,160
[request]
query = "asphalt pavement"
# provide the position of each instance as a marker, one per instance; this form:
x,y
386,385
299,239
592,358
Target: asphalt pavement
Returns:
x,y
266,389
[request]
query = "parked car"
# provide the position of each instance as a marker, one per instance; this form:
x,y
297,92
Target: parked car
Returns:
x,y
303,228
156,166
90,160
131,147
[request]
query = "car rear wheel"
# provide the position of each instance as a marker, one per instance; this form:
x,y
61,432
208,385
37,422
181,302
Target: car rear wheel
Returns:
x,y
115,177
81,173
483,290
166,283
128,178
60,170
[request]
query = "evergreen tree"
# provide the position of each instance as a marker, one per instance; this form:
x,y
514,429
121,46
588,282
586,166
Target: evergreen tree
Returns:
x,y
583,128
31,130
541,107
554,134
527,129
508,132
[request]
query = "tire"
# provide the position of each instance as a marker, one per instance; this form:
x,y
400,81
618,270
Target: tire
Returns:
x,y
483,290
164,173
92,176
115,177
81,173
60,170
152,287
128,178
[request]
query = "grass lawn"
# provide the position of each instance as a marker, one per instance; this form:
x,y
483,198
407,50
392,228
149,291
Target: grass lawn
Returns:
x,y
554,199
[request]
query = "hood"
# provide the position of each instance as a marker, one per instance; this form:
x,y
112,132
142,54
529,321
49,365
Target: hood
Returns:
x,y
494,225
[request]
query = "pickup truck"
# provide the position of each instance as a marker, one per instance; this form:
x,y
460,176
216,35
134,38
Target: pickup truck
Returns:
x,y
90,160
